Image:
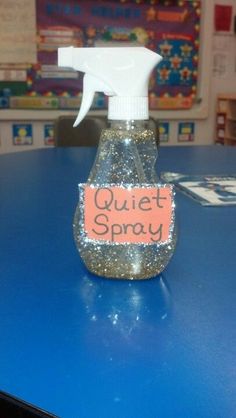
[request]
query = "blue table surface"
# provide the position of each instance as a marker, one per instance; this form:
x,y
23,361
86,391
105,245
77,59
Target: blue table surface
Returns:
x,y
81,346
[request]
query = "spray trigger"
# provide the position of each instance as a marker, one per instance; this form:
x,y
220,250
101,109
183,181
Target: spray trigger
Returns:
x,y
121,73
91,85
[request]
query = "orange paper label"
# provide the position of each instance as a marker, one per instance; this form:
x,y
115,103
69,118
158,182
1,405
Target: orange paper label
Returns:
x,y
123,214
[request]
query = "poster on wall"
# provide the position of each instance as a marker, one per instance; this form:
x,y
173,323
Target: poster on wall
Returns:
x,y
223,17
164,128
186,131
22,134
170,28
49,134
17,35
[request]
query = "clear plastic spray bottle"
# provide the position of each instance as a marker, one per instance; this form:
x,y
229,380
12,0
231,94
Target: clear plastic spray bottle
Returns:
x,y
120,225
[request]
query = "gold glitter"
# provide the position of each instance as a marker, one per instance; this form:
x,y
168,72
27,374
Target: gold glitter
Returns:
x,y
126,156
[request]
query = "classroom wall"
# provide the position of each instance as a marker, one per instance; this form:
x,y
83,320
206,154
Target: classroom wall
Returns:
x,y
222,71
217,76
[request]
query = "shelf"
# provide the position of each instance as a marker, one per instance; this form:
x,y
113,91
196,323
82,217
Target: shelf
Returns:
x,y
226,109
230,138
38,114
226,97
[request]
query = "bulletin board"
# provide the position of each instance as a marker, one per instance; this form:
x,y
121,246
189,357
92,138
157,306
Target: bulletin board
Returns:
x,y
168,27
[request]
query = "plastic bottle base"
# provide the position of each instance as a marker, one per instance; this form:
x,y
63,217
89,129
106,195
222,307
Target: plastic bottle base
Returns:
x,y
126,263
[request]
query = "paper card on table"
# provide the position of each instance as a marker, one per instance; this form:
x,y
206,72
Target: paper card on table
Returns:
x,y
128,214
209,189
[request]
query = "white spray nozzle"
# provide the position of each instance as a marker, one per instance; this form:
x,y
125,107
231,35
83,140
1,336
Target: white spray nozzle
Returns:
x,y
122,73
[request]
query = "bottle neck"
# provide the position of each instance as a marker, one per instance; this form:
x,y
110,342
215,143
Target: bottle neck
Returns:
x,y
127,125
131,108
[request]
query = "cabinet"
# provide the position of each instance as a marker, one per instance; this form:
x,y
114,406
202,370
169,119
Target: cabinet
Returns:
x,y
226,120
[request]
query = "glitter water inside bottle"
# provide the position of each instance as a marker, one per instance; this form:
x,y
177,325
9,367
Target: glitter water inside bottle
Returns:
x,y
126,154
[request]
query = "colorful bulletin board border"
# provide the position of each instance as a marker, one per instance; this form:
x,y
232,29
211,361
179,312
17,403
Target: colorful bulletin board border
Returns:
x,y
170,28
186,131
22,134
